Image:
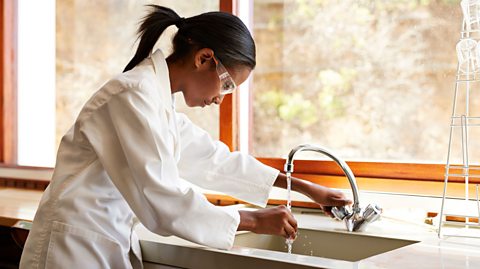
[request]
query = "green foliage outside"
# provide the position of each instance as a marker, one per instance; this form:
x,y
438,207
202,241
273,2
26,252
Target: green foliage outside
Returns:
x,y
372,79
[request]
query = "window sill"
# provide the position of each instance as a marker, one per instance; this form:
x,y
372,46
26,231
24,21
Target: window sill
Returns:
x,y
38,178
25,177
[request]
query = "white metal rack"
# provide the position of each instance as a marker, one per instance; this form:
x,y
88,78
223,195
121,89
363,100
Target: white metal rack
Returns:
x,y
467,79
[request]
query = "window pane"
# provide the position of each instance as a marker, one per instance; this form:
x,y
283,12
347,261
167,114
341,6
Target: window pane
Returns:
x,y
95,40
371,80
36,83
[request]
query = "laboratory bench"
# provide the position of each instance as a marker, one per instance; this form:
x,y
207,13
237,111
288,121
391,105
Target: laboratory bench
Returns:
x,y
422,249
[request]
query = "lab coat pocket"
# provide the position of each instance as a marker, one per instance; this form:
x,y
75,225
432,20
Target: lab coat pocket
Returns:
x,y
74,247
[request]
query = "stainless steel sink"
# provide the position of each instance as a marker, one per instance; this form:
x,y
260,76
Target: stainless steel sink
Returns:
x,y
333,245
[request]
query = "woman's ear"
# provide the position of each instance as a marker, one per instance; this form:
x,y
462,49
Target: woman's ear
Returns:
x,y
203,57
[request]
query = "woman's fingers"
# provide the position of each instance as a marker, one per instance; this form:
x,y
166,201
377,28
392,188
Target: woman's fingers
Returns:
x,y
342,201
289,231
277,220
290,225
327,210
292,222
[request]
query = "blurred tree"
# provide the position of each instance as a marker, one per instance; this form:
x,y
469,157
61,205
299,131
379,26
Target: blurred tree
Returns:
x,y
376,77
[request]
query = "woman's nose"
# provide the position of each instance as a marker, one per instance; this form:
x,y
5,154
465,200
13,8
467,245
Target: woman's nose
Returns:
x,y
218,100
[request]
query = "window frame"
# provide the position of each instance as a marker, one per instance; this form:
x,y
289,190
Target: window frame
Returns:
x,y
8,80
229,113
386,172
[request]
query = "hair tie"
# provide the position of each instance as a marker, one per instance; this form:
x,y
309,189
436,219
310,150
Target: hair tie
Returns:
x,y
180,22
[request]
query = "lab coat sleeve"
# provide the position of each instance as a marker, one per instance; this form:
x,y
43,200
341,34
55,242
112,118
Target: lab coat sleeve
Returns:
x,y
129,136
210,165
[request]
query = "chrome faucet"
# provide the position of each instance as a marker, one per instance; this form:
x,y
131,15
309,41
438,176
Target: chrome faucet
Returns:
x,y
355,219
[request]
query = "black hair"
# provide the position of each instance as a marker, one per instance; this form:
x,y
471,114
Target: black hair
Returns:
x,y
222,32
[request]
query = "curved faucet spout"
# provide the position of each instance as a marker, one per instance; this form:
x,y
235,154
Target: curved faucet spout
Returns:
x,y
342,164
353,220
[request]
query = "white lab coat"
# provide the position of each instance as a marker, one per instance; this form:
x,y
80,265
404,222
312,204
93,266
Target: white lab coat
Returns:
x,y
130,154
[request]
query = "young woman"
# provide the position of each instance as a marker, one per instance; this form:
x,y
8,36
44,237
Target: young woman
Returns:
x,y
129,155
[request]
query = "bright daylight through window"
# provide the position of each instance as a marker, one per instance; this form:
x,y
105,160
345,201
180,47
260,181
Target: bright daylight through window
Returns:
x,y
372,80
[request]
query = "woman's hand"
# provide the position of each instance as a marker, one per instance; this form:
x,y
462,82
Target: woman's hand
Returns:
x,y
276,220
327,198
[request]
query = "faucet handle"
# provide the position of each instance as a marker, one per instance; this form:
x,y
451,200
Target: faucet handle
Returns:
x,y
372,213
340,212
343,213
369,215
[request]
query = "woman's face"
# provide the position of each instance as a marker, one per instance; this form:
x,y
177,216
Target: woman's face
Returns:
x,y
202,88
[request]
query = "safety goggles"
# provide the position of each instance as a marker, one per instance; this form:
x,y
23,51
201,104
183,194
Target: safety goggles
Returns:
x,y
227,85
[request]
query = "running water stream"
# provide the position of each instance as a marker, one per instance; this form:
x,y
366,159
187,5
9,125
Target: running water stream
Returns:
x,y
289,241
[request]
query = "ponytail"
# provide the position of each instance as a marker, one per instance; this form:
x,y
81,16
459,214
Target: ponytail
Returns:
x,y
151,28
222,32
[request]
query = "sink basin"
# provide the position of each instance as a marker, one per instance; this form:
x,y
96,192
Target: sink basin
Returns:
x,y
333,245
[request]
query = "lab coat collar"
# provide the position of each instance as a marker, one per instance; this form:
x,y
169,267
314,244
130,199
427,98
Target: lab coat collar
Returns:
x,y
162,76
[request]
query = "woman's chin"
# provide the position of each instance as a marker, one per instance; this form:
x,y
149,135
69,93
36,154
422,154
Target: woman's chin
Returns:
x,y
194,104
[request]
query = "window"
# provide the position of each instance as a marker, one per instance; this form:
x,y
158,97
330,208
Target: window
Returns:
x,y
62,63
371,80
36,83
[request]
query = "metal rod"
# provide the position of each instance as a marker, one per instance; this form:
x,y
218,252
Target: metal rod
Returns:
x,y
465,154
463,236
461,215
459,117
478,204
455,125
461,167
447,166
467,178
463,175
